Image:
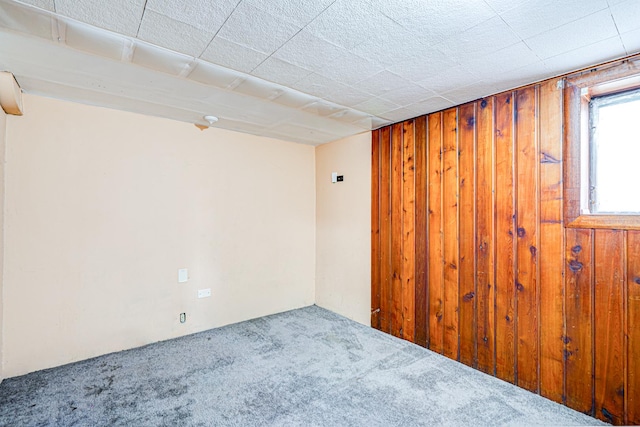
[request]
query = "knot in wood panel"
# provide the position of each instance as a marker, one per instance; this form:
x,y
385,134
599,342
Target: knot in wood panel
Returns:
x,y
575,265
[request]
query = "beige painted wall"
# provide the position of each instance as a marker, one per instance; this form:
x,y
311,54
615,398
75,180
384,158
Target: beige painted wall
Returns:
x,y
3,129
104,206
343,218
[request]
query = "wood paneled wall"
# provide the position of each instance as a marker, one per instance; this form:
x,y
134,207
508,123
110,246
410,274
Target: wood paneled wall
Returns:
x,y
470,256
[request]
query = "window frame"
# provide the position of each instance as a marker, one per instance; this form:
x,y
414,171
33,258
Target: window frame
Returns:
x,y
578,90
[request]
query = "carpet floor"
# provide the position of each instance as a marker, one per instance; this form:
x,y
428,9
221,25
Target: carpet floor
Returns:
x,y
304,367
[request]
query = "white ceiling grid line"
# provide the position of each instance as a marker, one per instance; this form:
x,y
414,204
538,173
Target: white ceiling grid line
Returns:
x,y
327,68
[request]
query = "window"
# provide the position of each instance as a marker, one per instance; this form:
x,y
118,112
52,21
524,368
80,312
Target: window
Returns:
x,y
614,144
602,147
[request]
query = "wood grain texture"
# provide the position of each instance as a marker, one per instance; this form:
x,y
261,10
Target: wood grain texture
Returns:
x,y
551,251
578,353
385,230
467,233
610,274
485,238
375,229
408,232
527,239
450,232
421,306
505,239
571,153
396,230
479,261
633,327
435,250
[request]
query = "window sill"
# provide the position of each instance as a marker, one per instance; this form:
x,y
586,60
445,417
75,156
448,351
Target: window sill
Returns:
x,y
611,222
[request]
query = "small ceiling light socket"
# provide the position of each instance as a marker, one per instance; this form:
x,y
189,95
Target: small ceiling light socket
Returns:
x,y
210,119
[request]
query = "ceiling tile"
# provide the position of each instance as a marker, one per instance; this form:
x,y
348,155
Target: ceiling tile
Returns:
x,y
501,61
391,46
430,105
436,20
626,15
518,77
267,33
576,34
376,106
501,6
279,71
315,84
417,68
308,51
121,16
449,78
586,56
470,93
349,23
631,41
299,12
382,83
208,15
229,54
535,17
349,68
175,35
372,122
399,114
348,96
42,4
483,39
408,94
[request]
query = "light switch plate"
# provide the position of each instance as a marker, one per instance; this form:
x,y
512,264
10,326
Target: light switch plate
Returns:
x,y
204,293
183,275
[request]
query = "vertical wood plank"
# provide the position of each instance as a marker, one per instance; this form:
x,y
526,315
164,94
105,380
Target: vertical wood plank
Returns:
x,y
485,238
408,232
610,277
436,279
375,229
578,353
450,232
421,232
505,239
551,251
467,302
527,239
385,230
396,229
633,327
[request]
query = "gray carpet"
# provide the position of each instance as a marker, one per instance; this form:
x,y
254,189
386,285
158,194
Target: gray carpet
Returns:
x,y
303,367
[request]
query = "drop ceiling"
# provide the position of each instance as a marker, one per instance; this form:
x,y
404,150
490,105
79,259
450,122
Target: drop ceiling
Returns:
x,y
309,71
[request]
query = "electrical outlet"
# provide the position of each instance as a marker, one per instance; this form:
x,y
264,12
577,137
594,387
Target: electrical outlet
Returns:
x,y
183,275
204,293
183,317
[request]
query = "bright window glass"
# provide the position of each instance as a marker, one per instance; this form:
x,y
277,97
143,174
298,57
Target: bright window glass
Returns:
x,y
615,154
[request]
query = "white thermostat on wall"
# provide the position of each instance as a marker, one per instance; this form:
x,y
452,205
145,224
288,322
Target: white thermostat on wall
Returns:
x,y
183,275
